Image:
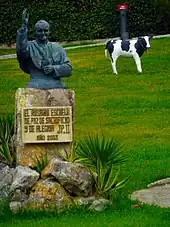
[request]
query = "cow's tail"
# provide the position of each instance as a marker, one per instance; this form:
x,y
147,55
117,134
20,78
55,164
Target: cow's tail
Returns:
x,y
106,49
105,52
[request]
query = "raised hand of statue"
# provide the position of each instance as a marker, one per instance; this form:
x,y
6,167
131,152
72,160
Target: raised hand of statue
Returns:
x,y
25,17
48,69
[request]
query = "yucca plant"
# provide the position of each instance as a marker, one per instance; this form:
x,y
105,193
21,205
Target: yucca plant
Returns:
x,y
70,156
6,126
7,144
97,148
106,180
103,157
41,162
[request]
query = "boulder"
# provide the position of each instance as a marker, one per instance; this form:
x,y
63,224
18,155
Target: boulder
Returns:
x,y
158,195
99,204
72,176
19,195
16,206
6,179
84,200
24,178
48,195
159,182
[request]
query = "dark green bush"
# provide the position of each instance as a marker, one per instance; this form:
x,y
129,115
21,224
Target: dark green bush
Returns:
x,y
103,156
84,19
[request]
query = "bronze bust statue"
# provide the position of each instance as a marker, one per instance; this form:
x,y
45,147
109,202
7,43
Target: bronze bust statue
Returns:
x,y
45,61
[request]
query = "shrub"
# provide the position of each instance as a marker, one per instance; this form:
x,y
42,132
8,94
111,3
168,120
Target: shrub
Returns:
x,y
70,156
40,163
96,148
102,156
7,143
80,20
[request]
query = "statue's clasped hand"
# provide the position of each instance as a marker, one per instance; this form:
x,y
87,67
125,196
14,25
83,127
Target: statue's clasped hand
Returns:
x,y
48,69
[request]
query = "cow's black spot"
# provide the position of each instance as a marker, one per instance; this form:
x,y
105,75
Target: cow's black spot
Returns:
x,y
110,47
140,46
125,45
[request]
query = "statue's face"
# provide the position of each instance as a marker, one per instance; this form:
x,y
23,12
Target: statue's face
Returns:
x,y
42,32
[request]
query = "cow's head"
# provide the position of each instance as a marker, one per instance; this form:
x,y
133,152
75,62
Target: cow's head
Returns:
x,y
145,41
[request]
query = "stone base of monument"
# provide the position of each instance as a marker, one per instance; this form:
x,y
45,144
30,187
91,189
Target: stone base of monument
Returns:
x,y
61,185
44,123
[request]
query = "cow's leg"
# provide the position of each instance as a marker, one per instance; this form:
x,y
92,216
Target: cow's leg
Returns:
x,y
113,61
138,62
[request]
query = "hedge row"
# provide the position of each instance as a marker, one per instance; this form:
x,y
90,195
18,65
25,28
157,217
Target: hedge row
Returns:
x,y
84,19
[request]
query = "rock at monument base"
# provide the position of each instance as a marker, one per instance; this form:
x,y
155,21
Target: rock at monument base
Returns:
x,y
99,204
84,200
46,195
24,178
16,206
6,179
19,195
49,195
72,176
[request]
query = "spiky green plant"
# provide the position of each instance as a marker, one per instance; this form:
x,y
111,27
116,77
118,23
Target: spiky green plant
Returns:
x,y
7,143
97,148
6,126
101,156
70,156
107,181
41,162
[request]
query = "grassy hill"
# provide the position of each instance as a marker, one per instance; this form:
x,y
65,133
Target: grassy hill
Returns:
x,y
131,107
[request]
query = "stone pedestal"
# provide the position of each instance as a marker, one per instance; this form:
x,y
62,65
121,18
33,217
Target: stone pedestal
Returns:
x,y
44,123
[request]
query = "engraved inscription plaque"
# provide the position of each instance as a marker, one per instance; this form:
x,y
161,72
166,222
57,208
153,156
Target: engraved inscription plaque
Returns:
x,y
47,124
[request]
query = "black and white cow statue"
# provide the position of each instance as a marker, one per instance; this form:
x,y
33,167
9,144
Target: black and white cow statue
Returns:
x,y
128,48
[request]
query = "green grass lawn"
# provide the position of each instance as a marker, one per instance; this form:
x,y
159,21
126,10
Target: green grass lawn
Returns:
x,y
6,51
134,108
